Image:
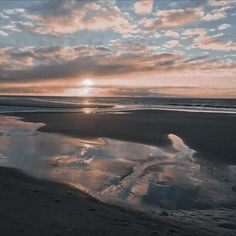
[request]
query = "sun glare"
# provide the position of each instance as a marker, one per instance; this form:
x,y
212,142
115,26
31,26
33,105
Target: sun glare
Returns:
x,y
87,82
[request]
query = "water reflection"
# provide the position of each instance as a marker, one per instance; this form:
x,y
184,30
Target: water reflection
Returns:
x,y
88,110
112,170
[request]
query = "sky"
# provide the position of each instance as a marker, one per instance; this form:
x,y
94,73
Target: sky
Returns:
x,y
183,48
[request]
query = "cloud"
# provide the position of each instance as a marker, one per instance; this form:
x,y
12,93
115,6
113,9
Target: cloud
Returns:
x,y
172,33
224,26
143,7
2,33
220,3
68,17
14,11
173,18
206,42
58,70
11,59
217,35
3,16
11,27
216,14
32,64
172,44
135,47
194,31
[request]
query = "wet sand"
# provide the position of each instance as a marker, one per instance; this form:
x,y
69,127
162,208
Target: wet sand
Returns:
x,y
30,206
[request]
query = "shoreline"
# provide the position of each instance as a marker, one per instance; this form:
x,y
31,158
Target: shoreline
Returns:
x,y
211,135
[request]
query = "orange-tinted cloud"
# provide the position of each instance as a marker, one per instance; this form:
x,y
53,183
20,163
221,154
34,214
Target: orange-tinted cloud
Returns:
x,y
173,18
143,7
206,42
53,63
68,17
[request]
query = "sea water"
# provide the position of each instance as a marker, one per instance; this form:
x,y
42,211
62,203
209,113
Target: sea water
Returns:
x,y
113,104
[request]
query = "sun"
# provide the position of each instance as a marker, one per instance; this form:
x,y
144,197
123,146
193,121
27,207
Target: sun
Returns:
x,y
87,82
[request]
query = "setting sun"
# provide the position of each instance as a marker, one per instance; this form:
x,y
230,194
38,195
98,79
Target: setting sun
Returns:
x,y
87,82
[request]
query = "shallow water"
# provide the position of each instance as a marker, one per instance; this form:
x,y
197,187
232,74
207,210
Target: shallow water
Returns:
x,y
117,171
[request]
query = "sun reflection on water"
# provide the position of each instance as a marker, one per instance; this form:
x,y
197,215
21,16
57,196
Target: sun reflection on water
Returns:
x,y
88,110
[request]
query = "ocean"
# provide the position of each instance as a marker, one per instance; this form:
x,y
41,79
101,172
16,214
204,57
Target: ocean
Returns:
x,y
15,104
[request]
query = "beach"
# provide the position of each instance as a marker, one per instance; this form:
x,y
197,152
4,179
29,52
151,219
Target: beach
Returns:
x,y
117,118
35,206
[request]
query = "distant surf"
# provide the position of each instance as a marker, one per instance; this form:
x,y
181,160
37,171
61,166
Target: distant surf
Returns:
x,y
11,104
